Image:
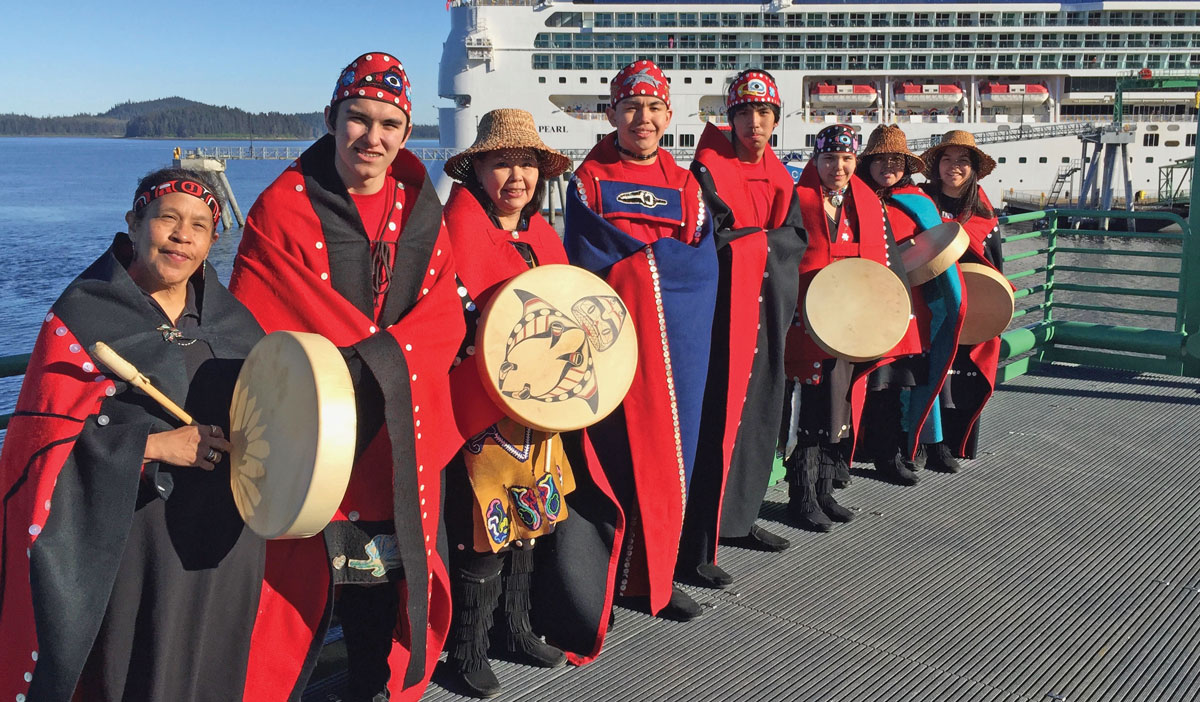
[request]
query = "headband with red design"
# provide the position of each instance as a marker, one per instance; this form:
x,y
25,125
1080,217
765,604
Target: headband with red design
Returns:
x,y
375,77
753,87
189,187
640,78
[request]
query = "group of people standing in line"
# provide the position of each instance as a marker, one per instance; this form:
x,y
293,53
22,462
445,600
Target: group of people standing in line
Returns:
x,y
127,572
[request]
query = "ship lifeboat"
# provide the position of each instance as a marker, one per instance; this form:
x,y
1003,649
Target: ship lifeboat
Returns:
x,y
924,95
1013,93
849,95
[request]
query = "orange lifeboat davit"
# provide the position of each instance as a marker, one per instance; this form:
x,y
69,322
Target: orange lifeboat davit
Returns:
x,y
923,95
1013,93
848,95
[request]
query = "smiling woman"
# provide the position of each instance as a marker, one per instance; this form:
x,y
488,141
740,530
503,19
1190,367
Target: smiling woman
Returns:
x,y
92,468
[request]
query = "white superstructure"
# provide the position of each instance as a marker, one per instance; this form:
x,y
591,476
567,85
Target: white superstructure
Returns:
x,y
929,67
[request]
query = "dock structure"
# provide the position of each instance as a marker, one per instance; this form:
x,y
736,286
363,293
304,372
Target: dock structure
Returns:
x,y
1063,564
214,165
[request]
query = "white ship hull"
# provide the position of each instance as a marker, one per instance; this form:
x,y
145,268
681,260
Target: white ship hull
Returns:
x,y
488,57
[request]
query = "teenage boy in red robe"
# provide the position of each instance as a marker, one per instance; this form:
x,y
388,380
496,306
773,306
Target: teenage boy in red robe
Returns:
x,y
640,220
760,238
349,242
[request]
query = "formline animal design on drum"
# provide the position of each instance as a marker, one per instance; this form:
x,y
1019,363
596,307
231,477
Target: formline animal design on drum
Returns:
x,y
548,357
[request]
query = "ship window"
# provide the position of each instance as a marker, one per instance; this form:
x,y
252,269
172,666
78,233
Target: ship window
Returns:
x,y
1041,159
599,137
1076,19
962,41
983,63
604,19
858,19
771,62
565,19
667,19
645,19
943,19
1008,41
878,41
921,19
708,81
898,62
1189,140
813,63
1027,61
1004,61
987,19
709,19
1160,19
666,62
751,20
900,41
562,79
834,62
962,61
1048,61
582,79
795,19
1149,140
541,79
1032,19
668,140
624,19
1001,159
837,19
604,80
1149,159
687,140
791,62
815,41
729,19
1009,19
774,140
707,63
561,41
541,62
687,79
879,19
689,19
562,63
835,41
1066,159
687,62
1052,18
1051,40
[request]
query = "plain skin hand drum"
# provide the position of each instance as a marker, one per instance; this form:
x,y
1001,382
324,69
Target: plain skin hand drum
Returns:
x,y
292,425
857,309
558,350
990,304
930,253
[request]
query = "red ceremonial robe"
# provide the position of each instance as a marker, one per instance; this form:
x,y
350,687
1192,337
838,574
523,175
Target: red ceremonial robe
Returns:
x,y
657,425
287,273
759,253
974,366
865,233
572,575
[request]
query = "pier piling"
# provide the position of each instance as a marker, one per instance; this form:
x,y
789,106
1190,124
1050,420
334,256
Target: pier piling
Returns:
x,y
216,166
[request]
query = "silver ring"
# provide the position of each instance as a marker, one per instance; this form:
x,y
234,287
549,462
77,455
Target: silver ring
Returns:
x,y
212,455
214,430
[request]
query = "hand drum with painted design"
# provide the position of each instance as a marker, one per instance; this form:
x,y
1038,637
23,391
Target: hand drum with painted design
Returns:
x,y
990,304
556,348
857,309
930,253
292,426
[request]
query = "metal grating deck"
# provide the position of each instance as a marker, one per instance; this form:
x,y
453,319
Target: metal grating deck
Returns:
x,y
1063,564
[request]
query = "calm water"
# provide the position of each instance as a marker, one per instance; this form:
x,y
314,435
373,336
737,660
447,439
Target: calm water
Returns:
x,y
61,201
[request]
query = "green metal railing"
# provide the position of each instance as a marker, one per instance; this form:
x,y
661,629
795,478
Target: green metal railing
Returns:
x,y
1097,343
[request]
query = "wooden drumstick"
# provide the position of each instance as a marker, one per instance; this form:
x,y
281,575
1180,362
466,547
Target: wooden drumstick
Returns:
x,y
126,371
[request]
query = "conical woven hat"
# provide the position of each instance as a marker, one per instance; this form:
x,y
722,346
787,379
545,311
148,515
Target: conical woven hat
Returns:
x,y
957,137
507,129
890,139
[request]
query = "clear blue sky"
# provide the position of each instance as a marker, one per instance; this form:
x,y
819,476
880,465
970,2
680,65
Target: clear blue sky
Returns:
x,y
63,57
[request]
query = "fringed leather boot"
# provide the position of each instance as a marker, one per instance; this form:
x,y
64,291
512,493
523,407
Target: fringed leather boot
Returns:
x,y
522,642
802,473
825,476
475,599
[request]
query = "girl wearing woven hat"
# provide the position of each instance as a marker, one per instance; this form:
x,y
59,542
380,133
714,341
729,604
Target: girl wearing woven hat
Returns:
x,y
497,232
903,415
954,168
843,219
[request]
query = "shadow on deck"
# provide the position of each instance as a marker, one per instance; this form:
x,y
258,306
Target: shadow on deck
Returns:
x,y
1062,564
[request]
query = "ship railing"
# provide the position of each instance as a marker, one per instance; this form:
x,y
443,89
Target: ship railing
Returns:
x,y
1074,294
230,153
1082,285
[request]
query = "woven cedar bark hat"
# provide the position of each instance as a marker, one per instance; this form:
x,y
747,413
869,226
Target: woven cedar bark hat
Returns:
x,y
507,129
890,139
957,137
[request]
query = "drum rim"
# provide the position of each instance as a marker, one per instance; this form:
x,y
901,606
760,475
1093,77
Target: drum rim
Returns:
x,y
954,251
987,271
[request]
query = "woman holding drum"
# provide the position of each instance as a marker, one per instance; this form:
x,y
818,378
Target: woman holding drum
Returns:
x,y
854,312
902,412
128,573
509,486
954,168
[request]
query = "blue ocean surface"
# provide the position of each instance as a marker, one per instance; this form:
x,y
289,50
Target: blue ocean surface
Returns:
x,y
63,199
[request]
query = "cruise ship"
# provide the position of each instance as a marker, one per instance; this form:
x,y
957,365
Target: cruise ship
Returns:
x,y
1026,77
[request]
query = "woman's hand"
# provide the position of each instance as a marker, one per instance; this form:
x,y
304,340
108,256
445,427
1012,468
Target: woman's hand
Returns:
x,y
201,446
